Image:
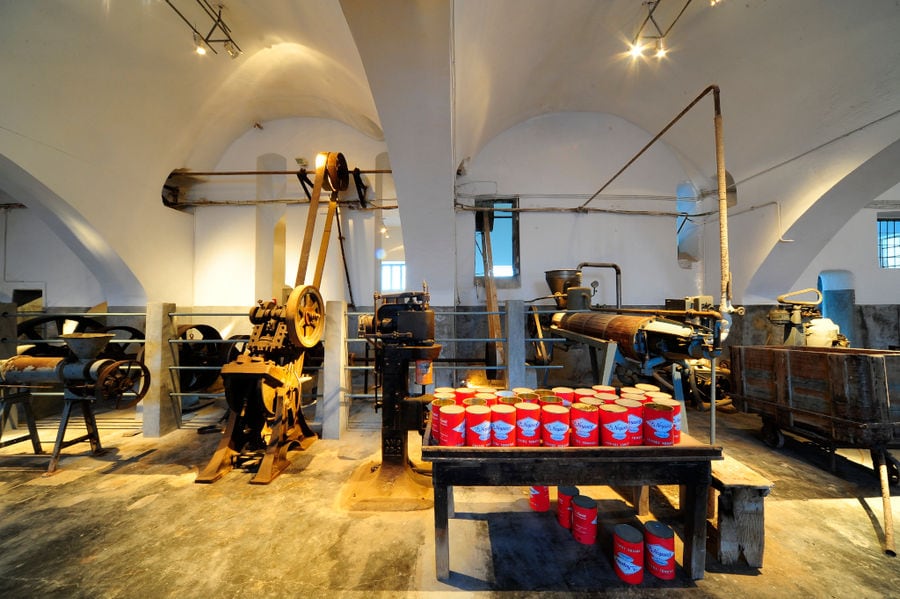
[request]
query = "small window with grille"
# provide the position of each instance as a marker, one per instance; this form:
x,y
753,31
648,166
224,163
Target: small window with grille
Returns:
x,y
889,240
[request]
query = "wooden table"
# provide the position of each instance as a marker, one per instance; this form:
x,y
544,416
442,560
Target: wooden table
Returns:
x,y
687,464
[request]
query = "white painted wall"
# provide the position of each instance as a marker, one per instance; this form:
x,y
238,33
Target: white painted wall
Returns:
x,y
47,265
217,227
873,285
560,160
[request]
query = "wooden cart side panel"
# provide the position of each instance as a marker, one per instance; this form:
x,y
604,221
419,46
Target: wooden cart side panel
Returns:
x,y
837,394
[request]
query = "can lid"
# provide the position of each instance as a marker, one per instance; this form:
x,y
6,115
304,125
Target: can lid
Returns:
x,y
584,407
658,529
503,408
583,501
477,409
524,405
628,533
567,490
629,403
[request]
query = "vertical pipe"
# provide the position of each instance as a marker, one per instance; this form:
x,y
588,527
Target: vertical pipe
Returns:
x,y
723,206
712,400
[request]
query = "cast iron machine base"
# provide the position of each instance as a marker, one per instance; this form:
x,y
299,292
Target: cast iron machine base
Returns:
x,y
262,387
402,332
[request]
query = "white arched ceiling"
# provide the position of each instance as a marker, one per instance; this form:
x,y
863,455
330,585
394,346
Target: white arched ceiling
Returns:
x,y
103,99
811,232
120,285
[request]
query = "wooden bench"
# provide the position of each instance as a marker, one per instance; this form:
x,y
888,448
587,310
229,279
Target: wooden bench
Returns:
x,y
739,514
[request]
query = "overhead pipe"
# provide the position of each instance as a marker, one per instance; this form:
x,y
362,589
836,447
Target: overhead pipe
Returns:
x,y
725,282
616,268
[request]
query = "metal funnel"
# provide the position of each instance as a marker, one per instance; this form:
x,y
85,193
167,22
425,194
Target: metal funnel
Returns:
x,y
559,281
87,346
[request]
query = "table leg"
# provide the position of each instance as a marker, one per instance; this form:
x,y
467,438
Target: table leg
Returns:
x,y
694,513
441,532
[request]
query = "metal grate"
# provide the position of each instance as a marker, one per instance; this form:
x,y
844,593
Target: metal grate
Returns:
x,y
889,242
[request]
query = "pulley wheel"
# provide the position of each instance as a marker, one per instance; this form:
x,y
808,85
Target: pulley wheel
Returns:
x,y
305,316
123,383
337,175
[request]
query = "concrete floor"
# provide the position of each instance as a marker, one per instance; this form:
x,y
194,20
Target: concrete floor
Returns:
x,y
132,523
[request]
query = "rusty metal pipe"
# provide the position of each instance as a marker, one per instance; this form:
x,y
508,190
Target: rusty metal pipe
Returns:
x,y
618,276
251,173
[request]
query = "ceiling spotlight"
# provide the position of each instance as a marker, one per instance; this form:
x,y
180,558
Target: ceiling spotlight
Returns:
x,y
218,33
199,48
233,51
661,49
637,49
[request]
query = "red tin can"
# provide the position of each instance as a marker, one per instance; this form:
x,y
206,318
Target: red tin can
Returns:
x,y
503,425
566,394
564,497
463,393
528,424
676,417
539,498
585,422
613,425
453,425
478,426
584,519
436,404
635,419
628,553
659,550
659,424
555,429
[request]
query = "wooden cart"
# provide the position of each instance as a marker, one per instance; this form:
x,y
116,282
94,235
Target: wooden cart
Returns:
x,y
838,397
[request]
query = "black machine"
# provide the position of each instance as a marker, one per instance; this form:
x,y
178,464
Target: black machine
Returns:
x,y
402,333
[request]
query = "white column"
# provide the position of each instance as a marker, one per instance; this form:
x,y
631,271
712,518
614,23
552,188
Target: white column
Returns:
x,y
162,412
334,411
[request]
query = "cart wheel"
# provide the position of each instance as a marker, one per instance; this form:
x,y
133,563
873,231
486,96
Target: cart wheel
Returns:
x,y
772,435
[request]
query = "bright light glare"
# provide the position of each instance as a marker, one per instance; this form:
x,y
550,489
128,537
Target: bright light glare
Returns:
x,y
636,50
321,157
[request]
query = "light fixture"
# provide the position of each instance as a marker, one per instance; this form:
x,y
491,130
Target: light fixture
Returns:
x,y
638,45
661,49
218,33
199,44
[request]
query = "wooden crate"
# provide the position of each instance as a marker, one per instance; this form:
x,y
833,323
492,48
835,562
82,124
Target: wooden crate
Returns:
x,y
842,395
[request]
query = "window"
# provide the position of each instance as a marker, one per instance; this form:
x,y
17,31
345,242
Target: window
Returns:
x,y
393,276
502,221
889,240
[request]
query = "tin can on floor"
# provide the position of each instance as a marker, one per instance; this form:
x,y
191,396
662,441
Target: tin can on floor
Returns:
x,y
528,424
659,424
478,426
584,519
453,425
659,547
613,425
564,496
585,422
555,429
628,554
503,425
539,498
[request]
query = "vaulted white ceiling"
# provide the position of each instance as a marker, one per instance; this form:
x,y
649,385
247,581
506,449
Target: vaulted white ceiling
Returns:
x,y
112,86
